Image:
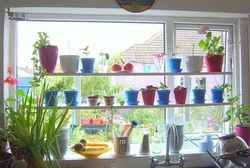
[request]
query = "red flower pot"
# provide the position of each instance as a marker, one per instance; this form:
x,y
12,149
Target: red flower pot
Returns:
x,y
48,57
214,63
148,97
180,96
243,132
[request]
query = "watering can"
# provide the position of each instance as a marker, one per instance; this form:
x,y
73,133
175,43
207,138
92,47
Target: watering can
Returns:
x,y
205,143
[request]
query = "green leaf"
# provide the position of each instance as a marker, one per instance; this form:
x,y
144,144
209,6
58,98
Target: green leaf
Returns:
x,y
20,93
202,43
226,118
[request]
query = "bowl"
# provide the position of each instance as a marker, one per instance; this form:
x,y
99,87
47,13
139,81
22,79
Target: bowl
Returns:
x,y
92,154
230,144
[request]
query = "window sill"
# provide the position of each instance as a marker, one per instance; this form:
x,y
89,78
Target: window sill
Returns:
x,y
73,160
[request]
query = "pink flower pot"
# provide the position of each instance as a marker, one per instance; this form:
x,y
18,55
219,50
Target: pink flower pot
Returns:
x,y
243,132
48,58
148,97
180,96
214,63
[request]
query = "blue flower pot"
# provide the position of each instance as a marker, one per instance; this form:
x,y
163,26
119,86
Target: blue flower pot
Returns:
x,y
174,64
87,65
131,97
50,97
71,95
217,95
163,96
199,95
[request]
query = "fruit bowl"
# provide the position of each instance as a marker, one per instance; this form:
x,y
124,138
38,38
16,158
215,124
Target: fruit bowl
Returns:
x,y
92,154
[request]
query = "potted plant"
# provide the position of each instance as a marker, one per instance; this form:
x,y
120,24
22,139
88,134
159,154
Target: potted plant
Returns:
x,y
86,117
69,63
193,63
215,51
218,92
174,64
180,94
108,100
31,127
71,96
93,100
48,53
103,62
148,94
199,94
237,113
52,91
163,94
131,96
87,62
96,117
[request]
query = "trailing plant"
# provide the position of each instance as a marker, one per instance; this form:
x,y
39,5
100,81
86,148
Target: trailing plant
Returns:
x,y
212,43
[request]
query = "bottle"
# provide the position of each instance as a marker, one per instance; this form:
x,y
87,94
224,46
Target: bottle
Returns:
x,y
156,143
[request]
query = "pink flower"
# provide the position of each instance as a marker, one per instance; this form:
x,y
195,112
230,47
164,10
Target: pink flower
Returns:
x,y
159,55
203,30
9,69
11,80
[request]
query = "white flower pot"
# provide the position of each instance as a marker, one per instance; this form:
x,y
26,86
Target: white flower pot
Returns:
x,y
193,63
69,63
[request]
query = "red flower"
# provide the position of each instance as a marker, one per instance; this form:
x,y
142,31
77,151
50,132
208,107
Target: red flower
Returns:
x,y
10,69
11,80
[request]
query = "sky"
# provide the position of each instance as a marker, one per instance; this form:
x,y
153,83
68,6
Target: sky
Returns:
x,y
70,36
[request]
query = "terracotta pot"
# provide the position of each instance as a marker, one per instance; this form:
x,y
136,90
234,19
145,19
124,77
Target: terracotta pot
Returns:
x,y
96,121
48,57
243,132
214,63
93,100
86,120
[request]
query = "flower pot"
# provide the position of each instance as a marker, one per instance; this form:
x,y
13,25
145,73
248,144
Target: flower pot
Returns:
x,y
69,63
199,95
96,121
217,95
148,97
243,132
31,161
61,146
51,97
163,96
48,58
71,96
86,121
6,160
93,100
172,147
174,65
180,96
87,65
108,100
131,97
193,63
214,63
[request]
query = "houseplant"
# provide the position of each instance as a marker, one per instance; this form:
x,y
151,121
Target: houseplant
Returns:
x,y
48,53
148,94
215,51
218,92
52,90
163,94
31,127
237,113
69,63
71,97
131,96
87,62
199,94
174,64
180,94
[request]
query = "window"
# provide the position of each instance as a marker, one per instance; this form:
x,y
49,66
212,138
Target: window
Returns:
x,y
132,41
